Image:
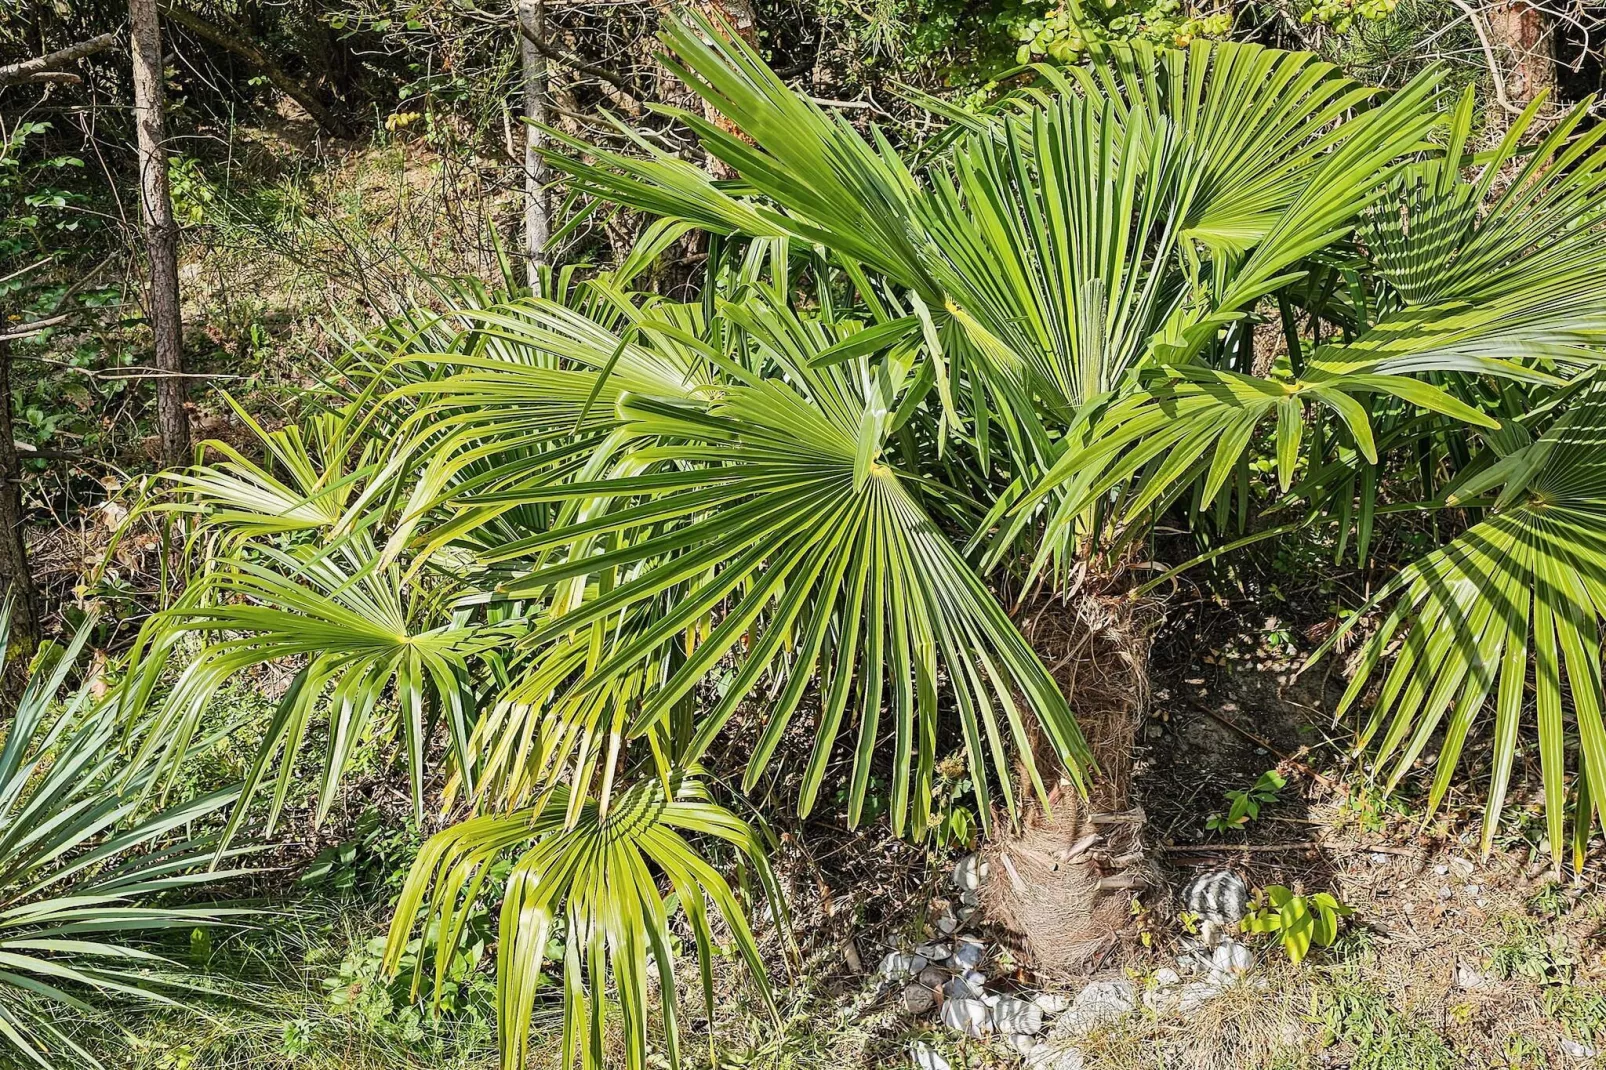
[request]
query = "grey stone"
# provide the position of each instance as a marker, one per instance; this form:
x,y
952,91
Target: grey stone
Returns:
x,y
1051,1003
935,951
896,965
969,873
1231,957
1049,1057
1100,1003
926,1057
917,998
1576,1050
968,954
1196,994
1024,1043
961,988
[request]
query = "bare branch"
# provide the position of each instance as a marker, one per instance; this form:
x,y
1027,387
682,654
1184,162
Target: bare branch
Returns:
x,y
30,70
235,41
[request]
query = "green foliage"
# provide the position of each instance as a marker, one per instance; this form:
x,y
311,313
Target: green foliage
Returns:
x,y
1300,922
1381,1035
1244,804
594,536
1066,33
84,867
1342,15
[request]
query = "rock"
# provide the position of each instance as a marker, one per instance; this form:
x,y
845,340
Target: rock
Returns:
x,y
1012,1015
1024,1043
1100,1003
896,965
960,988
1164,994
968,1016
1232,958
1195,994
918,999
969,873
968,954
926,1057
1196,960
975,977
1441,869
1468,977
933,976
1049,1057
947,924
1220,896
935,951
1575,1050
1051,1003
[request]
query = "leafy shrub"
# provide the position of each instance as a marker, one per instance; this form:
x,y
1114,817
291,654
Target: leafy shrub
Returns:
x,y
1300,922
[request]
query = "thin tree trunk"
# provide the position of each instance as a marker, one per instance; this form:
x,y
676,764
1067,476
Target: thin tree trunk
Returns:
x,y
161,233
532,26
15,574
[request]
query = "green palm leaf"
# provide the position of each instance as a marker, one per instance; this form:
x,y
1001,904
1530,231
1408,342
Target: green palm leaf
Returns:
x,y
84,869
599,875
1528,582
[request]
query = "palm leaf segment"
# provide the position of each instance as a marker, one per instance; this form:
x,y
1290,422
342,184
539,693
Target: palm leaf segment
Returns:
x,y
778,499
1078,241
362,628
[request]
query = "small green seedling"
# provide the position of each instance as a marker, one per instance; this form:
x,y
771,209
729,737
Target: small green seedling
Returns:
x,y
1245,805
1299,921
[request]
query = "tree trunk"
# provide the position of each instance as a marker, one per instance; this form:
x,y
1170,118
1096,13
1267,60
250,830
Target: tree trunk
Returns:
x,y
14,571
532,27
1523,30
161,233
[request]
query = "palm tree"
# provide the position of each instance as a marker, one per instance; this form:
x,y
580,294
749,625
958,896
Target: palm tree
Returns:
x,y
1010,349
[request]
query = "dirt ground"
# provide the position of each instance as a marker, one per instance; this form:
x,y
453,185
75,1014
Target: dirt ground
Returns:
x,y
1448,960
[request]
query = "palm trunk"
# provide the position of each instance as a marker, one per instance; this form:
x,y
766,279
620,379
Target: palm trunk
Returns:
x,y
161,233
532,22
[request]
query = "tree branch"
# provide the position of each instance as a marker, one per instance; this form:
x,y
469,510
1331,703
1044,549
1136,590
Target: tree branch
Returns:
x,y
252,54
575,63
30,70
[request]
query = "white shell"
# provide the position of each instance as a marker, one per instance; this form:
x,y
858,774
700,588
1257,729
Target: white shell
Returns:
x,y
1012,1015
967,1016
